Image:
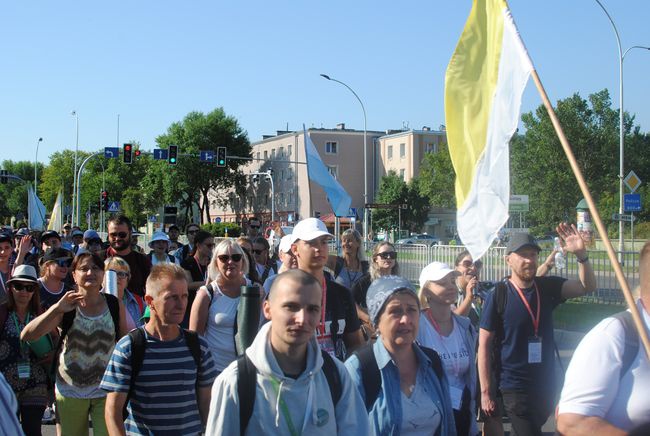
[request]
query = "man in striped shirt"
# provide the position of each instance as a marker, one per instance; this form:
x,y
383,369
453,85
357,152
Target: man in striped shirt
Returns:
x,y
170,393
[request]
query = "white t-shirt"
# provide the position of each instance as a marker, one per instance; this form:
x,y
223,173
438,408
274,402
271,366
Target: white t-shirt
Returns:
x,y
220,329
593,385
452,351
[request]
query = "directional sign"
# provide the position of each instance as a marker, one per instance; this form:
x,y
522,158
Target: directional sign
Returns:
x,y
622,217
114,206
632,202
382,206
111,152
632,181
207,156
160,154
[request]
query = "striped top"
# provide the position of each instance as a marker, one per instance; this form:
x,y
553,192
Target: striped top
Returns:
x,y
164,399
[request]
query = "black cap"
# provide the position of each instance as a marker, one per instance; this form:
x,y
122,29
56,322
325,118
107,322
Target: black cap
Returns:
x,y
55,253
6,237
520,240
50,233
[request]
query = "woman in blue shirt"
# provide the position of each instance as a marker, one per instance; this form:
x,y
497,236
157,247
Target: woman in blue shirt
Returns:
x,y
413,396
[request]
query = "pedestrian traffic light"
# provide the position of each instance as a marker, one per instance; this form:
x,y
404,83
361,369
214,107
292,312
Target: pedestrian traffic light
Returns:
x,y
137,153
127,153
3,176
221,156
172,154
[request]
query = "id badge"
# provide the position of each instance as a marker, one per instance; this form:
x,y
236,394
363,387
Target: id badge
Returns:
x,y
23,369
456,397
534,350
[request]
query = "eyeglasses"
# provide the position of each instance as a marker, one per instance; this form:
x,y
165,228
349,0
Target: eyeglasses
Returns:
x,y
85,269
121,274
224,258
387,255
258,251
23,287
118,235
63,263
468,264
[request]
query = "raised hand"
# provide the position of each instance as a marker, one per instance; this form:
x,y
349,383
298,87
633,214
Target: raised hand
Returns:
x,y
571,239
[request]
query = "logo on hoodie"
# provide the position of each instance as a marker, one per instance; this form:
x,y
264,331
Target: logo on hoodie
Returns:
x,y
322,417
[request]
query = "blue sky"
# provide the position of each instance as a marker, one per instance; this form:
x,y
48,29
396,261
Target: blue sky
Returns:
x,y
152,62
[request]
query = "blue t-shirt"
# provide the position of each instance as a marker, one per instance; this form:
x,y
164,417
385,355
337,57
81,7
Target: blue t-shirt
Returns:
x,y
164,399
516,373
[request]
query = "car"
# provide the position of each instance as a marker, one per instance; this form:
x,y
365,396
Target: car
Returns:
x,y
419,239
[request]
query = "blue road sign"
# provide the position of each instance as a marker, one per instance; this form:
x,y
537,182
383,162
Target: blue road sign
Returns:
x,y
217,219
160,154
632,202
153,218
352,213
207,156
111,152
114,206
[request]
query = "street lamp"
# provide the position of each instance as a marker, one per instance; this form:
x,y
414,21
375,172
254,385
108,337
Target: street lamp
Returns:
x,y
36,166
621,57
75,206
365,157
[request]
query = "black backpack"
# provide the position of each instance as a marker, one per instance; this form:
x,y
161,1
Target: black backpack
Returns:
x,y
371,377
138,347
247,383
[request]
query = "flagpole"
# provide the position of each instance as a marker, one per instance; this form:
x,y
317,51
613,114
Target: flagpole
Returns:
x,y
594,213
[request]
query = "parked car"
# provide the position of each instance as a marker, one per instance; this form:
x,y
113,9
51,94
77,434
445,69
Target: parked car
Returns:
x,y
420,239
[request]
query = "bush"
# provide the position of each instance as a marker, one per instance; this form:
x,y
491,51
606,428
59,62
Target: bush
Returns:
x,y
221,230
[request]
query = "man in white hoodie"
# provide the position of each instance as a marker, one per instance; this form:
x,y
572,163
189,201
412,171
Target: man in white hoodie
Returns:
x,y
292,392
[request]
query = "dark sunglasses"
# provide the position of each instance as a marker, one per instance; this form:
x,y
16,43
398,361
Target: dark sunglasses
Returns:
x,y
467,264
226,257
63,263
258,251
121,274
388,255
118,235
23,287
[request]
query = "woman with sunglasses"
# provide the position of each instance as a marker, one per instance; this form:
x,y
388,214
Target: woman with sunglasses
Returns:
x,y
89,332
468,301
134,304
350,268
18,363
454,338
215,308
55,266
196,268
384,263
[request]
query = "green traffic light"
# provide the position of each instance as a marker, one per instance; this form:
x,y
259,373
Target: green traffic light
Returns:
x,y
172,160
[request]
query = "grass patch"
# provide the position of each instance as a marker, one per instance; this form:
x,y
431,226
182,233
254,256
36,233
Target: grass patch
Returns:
x,y
582,317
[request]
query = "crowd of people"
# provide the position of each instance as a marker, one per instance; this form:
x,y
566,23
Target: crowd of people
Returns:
x,y
148,343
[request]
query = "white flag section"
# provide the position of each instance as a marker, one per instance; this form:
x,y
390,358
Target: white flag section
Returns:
x,y
484,84
35,211
338,199
56,219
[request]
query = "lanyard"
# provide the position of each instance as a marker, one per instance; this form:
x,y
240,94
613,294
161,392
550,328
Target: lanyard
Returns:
x,y
285,410
321,327
200,269
2,281
455,364
535,319
18,328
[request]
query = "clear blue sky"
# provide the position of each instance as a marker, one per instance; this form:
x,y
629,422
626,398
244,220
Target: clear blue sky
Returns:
x,y
152,62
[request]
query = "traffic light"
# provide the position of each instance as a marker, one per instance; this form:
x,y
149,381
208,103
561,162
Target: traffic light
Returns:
x,y
104,201
172,155
221,156
3,176
127,153
137,153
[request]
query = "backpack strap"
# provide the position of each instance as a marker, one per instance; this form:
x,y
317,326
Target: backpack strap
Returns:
x,y
140,301
171,258
501,297
339,266
246,384
138,345
193,343
210,288
631,341
370,375
265,274
333,377
114,308
4,314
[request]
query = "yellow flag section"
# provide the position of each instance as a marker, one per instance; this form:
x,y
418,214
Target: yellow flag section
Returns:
x,y
484,83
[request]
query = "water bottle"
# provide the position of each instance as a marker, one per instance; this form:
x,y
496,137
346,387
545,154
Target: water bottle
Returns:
x,y
111,283
560,260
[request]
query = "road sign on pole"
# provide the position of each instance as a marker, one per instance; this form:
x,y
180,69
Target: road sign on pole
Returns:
x,y
111,152
114,206
632,202
623,217
632,181
206,156
160,154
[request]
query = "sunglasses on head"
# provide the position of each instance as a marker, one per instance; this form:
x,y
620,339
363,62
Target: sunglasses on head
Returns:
x,y
63,263
226,257
467,264
22,287
121,274
388,255
118,235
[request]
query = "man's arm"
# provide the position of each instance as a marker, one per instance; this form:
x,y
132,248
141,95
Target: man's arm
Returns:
x,y
485,343
204,395
113,413
581,425
548,265
573,243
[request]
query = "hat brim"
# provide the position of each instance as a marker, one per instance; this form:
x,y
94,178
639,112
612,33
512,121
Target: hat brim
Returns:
x,y
524,245
24,279
313,235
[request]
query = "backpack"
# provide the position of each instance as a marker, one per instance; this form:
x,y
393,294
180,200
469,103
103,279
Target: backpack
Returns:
x,y
138,347
247,383
631,341
371,376
267,270
340,263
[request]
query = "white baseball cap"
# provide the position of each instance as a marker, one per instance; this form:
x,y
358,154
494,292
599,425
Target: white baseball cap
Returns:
x,y
434,272
310,229
285,243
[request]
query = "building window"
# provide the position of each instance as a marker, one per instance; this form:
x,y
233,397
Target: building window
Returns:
x,y
334,171
402,173
281,202
289,150
281,175
281,152
273,153
290,201
431,148
402,150
258,155
266,154
331,147
389,152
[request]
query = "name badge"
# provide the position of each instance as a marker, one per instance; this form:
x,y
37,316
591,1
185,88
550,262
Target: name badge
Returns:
x,y
23,369
534,350
456,397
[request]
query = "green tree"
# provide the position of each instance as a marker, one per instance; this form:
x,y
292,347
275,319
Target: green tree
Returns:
x,y
14,192
190,181
437,177
393,190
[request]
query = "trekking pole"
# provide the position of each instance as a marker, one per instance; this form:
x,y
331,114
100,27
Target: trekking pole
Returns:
x,y
248,317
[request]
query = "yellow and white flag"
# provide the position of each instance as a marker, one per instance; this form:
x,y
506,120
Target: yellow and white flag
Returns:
x,y
484,84
56,218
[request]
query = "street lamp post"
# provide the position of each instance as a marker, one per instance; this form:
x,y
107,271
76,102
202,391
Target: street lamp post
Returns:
x,y
621,175
36,166
75,206
365,157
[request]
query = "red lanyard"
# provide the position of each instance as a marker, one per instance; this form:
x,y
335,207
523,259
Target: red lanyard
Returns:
x,y
199,266
323,307
530,312
433,322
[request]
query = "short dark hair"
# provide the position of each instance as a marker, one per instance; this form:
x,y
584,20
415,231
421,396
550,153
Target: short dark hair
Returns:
x,y
262,241
173,226
80,257
119,220
191,225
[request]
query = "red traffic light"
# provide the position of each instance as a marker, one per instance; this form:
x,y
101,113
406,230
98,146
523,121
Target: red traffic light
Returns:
x,y
137,153
127,147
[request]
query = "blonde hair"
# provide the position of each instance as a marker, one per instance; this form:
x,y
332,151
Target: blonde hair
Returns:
x,y
116,261
160,272
374,268
222,248
351,233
